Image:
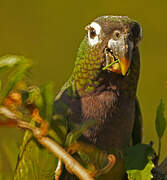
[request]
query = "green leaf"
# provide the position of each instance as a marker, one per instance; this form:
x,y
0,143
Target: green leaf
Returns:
x,y
48,100
160,122
39,103
138,156
33,94
144,174
9,60
18,74
78,131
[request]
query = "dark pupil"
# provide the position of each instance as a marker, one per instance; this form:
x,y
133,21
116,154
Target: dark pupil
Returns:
x,y
92,33
117,34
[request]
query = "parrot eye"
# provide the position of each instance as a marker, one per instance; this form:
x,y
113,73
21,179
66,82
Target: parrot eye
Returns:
x,y
116,34
92,33
94,30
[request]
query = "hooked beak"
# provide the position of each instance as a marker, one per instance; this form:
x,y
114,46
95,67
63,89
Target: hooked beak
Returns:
x,y
123,48
124,65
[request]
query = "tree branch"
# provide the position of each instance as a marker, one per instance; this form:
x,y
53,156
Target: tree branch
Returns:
x,y
51,145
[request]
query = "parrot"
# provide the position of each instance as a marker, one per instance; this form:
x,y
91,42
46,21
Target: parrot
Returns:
x,y
103,88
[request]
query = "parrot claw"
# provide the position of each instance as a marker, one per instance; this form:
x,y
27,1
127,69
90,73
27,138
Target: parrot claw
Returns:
x,y
108,167
96,172
75,147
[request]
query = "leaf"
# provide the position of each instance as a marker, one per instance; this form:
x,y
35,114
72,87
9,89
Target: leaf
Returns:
x,y
144,174
39,103
137,156
78,131
15,77
160,122
9,60
33,94
48,100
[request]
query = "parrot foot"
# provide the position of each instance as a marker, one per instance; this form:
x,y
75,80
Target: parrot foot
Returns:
x,y
108,167
58,170
75,147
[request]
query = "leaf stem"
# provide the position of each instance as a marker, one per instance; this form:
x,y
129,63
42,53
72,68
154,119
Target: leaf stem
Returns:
x,y
109,65
159,148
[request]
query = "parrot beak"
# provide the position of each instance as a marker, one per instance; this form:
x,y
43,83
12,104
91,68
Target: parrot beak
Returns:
x,y
124,65
122,51
125,57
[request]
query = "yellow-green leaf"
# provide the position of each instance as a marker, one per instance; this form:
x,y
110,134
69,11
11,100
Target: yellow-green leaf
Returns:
x,y
160,122
144,174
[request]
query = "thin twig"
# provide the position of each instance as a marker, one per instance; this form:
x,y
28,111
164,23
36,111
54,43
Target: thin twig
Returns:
x,y
58,170
7,113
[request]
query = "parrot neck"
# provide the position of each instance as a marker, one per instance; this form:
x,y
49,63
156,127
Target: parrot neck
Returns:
x,y
86,72
88,77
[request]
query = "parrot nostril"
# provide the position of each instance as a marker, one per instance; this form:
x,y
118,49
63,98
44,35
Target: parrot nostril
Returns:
x,y
108,49
116,34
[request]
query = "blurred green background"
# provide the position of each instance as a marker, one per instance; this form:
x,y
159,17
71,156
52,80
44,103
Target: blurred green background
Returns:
x,y
49,32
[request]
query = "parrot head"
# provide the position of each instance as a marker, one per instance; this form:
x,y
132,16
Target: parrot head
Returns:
x,y
114,37
108,46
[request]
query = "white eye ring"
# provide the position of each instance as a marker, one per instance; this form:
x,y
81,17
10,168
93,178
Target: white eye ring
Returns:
x,y
97,28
